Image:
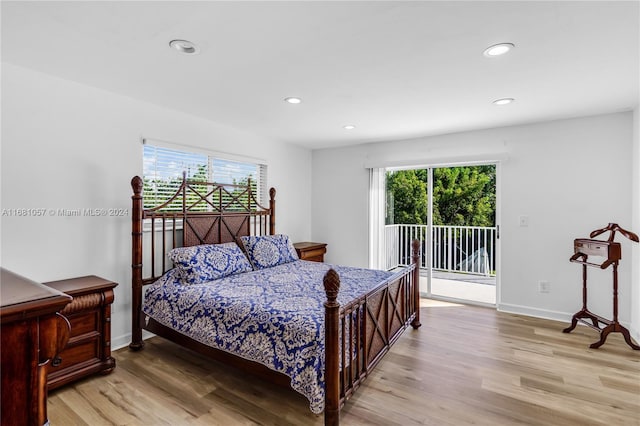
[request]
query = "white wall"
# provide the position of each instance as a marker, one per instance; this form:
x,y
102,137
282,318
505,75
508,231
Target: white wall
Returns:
x,y
635,257
69,146
570,177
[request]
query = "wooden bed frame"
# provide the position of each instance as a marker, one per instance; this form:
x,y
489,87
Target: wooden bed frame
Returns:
x,y
212,213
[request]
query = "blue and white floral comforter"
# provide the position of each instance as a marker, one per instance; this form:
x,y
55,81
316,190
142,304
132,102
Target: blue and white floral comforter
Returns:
x,y
273,316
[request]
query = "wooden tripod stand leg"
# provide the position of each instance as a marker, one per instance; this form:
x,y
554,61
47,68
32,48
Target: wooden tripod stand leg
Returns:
x,y
615,327
574,322
584,312
603,337
627,338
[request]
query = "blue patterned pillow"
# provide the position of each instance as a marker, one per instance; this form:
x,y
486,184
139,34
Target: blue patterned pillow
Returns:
x,y
266,251
199,264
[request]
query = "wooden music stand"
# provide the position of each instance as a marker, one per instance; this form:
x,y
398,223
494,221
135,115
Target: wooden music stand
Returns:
x,y
612,253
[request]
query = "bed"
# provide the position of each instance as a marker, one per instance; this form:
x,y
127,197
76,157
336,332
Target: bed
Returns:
x,y
210,273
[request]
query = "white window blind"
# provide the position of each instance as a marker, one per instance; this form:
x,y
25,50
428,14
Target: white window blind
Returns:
x,y
163,168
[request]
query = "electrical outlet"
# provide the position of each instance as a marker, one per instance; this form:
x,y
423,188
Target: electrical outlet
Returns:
x,y
544,287
523,221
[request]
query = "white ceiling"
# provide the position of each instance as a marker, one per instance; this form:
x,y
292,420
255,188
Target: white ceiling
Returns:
x,y
396,69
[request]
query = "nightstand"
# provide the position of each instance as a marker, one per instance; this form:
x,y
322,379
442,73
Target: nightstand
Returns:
x,y
311,251
89,313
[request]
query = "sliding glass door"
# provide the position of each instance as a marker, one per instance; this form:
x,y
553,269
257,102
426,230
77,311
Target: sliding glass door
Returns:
x,y
452,212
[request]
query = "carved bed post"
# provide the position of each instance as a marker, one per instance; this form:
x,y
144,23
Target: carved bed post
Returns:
x,y
415,259
136,265
332,367
272,211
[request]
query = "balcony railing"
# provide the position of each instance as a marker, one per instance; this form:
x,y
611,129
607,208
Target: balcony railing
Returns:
x,y
468,249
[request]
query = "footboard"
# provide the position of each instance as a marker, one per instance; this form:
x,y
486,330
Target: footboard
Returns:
x,y
358,334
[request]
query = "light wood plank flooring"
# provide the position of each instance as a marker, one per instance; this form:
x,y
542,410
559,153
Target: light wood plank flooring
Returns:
x,y
466,365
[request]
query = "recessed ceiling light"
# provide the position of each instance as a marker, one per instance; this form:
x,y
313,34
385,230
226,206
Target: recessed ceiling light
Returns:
x,y
349,127
184,46
293,100
498,49
503,101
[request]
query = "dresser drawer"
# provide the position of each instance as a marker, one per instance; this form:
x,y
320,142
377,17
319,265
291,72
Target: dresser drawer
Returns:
x,y
73,355
84,323
317,254
591,248
311,251
610,250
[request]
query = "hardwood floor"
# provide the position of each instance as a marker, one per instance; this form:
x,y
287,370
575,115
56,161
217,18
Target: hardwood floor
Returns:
x,y
466,365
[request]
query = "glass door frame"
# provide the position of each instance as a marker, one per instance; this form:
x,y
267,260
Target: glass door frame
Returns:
x,y
429,236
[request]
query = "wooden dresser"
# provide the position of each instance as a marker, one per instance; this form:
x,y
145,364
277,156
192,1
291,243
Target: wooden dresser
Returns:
x,y
32,332
311,251
89,348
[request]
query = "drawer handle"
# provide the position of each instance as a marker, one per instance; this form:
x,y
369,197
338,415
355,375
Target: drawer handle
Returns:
x,y
56,361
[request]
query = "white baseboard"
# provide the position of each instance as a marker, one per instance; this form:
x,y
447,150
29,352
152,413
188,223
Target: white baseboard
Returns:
x,y
535,312
551,315
124,340
120,342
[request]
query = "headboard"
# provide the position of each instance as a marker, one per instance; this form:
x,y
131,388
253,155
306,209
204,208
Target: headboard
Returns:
x,y
197,213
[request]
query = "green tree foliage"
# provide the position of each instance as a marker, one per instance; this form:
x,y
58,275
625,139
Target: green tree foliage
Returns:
x,y
158,191
407,203
463,196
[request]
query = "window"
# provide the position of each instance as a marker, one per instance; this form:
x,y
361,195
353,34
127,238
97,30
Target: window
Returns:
x,y
163,168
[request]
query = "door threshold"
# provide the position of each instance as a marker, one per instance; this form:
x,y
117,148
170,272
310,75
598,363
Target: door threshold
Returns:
x,y
458,301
